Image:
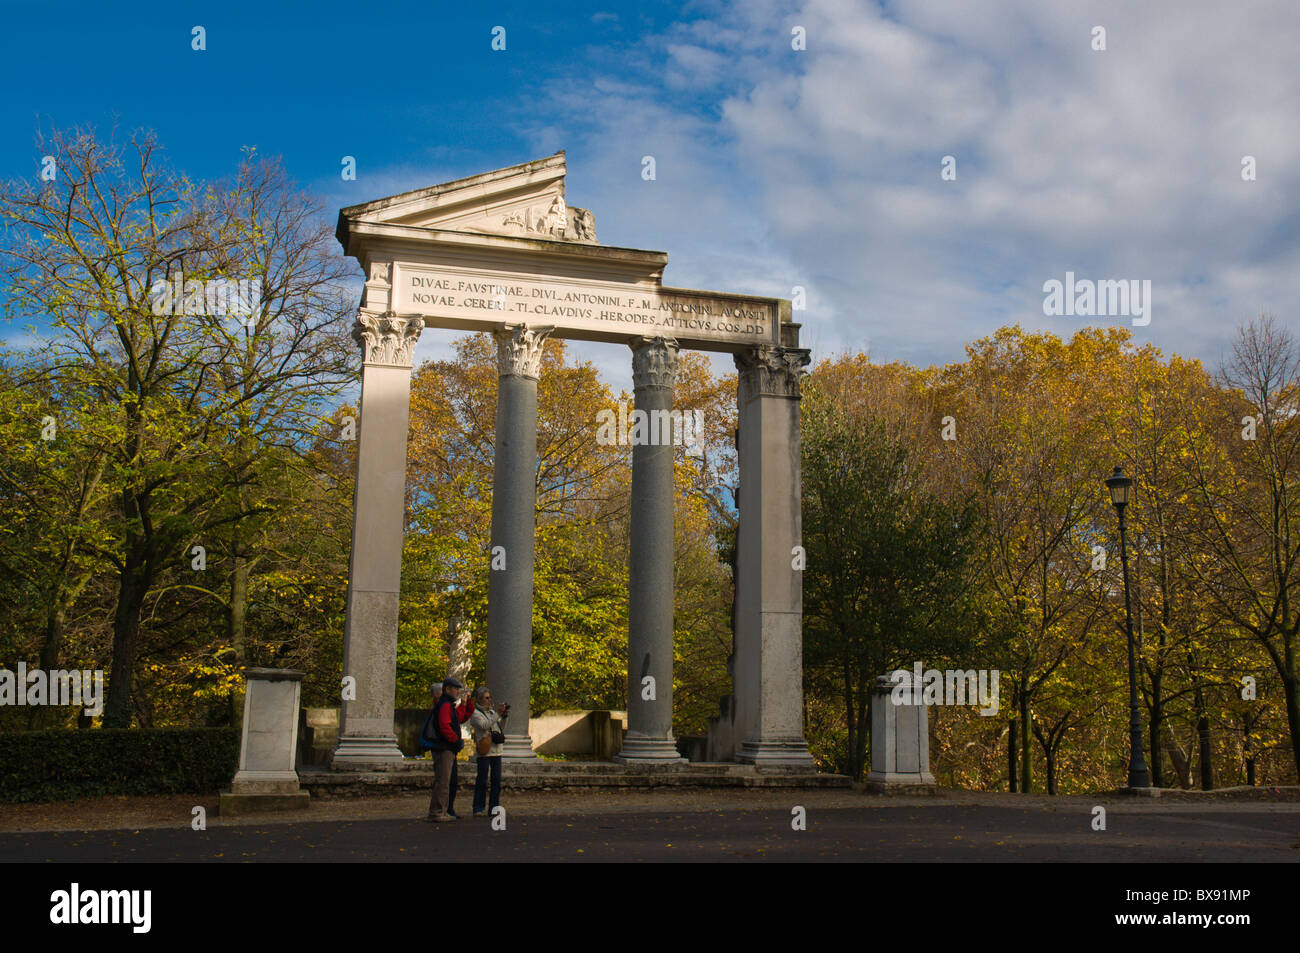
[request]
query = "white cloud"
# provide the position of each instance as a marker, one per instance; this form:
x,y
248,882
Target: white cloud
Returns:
x,y
821,168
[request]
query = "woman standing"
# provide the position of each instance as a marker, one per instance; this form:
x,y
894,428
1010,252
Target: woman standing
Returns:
x,y
487,725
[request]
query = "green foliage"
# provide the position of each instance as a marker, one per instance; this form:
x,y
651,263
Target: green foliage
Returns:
x,y
888,559
60,765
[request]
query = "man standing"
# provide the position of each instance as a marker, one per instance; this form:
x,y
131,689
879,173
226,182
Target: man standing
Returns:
x,y
446,719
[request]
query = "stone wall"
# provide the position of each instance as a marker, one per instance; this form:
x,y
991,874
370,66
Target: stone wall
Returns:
x,y
598,735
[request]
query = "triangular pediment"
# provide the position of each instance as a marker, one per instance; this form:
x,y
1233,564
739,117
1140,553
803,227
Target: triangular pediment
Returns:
x,y
524,201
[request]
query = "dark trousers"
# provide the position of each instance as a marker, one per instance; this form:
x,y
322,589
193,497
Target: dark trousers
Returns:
x,y
455,783
487,766
446,778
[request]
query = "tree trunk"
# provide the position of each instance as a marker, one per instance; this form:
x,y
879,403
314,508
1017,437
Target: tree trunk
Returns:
x,y
1155,754
53,642
51,646
1203,750
1013,767
237,613
1248,753
1291,688
1027,756
864,731
850,721
1153,742
133,584
236,629
1206,753
1181,768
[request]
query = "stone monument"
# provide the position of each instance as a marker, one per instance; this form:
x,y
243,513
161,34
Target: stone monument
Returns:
x,y
900,740
266,779
503,252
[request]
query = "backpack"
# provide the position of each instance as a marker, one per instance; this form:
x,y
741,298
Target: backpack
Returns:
x,y
429,740
428,736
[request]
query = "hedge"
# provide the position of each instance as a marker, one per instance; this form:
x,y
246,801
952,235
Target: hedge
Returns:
x,y
67,763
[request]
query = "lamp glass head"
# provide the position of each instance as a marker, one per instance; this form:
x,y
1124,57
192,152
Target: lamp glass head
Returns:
x,y
1118,484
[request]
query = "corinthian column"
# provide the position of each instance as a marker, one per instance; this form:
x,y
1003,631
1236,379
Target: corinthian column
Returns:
x,y
768,654
375,565
514,513
650,563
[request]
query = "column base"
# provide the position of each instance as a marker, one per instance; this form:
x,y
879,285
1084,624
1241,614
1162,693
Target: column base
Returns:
x,y
264,782
894,779
642,750
791,754
230,804
518,748
358,751
1140,792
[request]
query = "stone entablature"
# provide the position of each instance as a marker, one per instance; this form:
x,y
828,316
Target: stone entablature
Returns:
x,y
503,249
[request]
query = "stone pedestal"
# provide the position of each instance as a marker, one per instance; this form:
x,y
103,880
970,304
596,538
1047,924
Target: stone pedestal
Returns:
x,y
514,516
900,740
767,662
375,566
650,564
266,779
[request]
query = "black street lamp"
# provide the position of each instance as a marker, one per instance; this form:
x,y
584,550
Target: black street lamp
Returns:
x,y
1138,776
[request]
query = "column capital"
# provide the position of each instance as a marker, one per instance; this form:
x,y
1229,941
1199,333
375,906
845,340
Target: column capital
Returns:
x,y
654,362
771,371
387,338
519,350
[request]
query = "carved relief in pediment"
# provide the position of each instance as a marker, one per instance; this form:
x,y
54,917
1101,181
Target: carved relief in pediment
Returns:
x,y
555,221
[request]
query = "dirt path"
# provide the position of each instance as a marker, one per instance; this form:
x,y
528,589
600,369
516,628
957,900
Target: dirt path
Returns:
x,y
162,811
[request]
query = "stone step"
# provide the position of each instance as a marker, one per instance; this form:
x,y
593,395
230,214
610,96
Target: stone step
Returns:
x,y
416,774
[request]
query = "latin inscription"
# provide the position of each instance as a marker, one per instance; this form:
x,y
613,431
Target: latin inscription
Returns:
x,y
637,311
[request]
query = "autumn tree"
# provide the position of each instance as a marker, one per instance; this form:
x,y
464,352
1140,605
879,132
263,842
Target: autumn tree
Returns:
x,y
1248,519
117,257
888,553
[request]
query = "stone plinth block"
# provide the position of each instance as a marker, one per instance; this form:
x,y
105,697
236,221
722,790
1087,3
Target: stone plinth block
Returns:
x,y
266,779
900,740
231,805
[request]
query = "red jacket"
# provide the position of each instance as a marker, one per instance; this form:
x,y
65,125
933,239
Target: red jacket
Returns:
x,y
448,732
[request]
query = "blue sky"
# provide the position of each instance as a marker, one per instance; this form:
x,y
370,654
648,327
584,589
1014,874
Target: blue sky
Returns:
x,y
775,167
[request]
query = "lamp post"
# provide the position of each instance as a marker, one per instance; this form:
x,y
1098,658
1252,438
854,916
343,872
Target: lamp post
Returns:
x,y
1138,777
